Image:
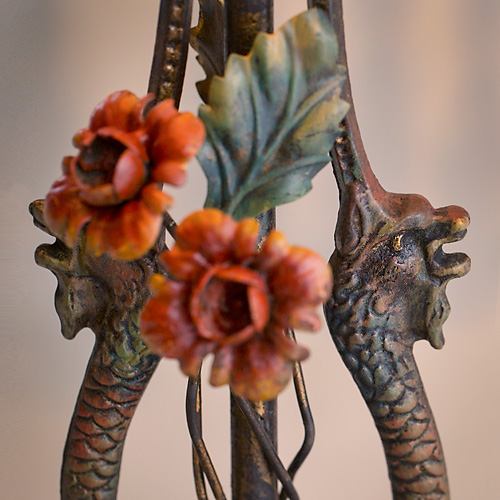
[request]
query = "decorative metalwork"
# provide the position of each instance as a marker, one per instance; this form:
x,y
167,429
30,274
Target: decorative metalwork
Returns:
x,y
389,291
107,296
390,272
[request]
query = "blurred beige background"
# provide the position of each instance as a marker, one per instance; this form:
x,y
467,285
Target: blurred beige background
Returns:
x,y
426,82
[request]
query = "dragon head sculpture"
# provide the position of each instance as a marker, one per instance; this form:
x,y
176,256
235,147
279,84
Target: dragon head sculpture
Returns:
x,y
389,248
106,295
95,292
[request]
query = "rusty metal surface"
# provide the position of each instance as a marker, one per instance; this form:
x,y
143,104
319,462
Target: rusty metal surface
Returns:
x,y
252,476
390,277
390,291
307,420
171,48
107,296
201,459
244,20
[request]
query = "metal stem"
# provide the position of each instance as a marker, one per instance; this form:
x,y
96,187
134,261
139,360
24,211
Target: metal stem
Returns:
x,y
193,414
267,446
169,224
252,475
199,477
307,419
202,463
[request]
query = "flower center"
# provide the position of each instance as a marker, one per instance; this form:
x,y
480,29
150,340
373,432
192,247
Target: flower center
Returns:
x,y
97,161
228,305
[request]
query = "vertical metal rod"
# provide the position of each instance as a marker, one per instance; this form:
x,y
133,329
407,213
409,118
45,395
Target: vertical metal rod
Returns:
x,y
246,18
252,475
267,447
171,48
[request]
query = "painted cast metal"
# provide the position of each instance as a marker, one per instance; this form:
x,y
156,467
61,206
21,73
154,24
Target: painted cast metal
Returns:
x,y
107,296
263,117
389,291
390,277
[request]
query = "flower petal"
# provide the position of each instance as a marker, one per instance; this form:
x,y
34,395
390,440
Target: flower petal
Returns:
x,y
179,138
117,110
129,176
64,213
83,138
300,279
245,239
164,325
192,358
209,232
100,229
155,199
170,171
222,366
184,265
140,229
257,292
259,371
274,249
305,318
258,302
129,140
159,114
99,196
126,232
216,318
137,114
288,348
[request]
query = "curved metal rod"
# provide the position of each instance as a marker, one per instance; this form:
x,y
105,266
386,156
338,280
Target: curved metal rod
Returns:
x,y
202,463
267,447
307,420
171,48
193,414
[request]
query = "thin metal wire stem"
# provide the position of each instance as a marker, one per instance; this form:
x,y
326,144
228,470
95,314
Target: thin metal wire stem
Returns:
x,y
202,464
267,447
193,415
199,477
307,420
170,224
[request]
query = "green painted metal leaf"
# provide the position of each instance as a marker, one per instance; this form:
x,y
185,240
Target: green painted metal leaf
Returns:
x,y
272,119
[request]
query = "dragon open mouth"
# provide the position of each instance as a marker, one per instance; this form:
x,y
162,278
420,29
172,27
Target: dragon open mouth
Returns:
x,y
447,266
449,228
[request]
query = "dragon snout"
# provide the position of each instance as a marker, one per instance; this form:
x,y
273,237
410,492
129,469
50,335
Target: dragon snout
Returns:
x,y
449,226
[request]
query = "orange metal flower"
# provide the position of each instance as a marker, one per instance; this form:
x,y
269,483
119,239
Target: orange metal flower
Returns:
x,y
227,298
114,183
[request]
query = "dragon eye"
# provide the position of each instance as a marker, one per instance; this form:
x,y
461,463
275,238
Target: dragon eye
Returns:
x,y
396,242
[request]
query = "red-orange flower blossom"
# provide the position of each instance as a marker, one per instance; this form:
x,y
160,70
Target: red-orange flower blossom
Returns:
x,y
114,183
224,296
